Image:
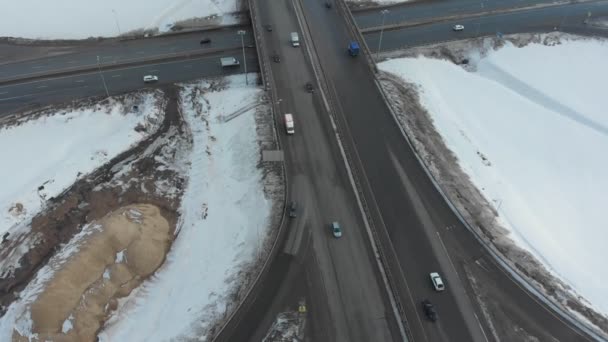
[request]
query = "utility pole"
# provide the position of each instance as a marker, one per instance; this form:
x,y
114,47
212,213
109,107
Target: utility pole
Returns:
x,y
103,80
242,33
116,20
383,12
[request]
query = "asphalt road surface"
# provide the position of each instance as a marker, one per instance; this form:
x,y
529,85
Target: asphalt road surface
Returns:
x,y
56,90
125,51
345,298
481,302
418,10
568,18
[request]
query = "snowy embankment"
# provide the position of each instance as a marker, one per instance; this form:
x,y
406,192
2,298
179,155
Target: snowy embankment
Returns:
x,y
529,127
43,156
73,19
224,218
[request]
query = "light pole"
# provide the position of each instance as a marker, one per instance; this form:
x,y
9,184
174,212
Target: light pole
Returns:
x,y
242,33
383,12
103,80
116,20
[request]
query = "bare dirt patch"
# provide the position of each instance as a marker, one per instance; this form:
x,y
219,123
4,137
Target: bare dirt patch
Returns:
x,y
144,174
455,183
121,249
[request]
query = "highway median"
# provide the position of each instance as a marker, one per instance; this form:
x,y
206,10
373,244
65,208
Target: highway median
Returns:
x,y
113,66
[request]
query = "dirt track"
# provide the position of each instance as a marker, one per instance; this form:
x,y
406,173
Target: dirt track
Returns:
x,y
136,176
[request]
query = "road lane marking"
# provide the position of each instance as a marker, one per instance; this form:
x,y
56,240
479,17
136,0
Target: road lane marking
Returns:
x,y
140,67
140,52
460,280
79,81
72,62
106,57
154,70
37,66
116,75
42,86
4,92
188,66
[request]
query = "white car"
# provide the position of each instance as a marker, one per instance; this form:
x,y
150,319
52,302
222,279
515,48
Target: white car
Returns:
x,y
458,27
437,282
150,78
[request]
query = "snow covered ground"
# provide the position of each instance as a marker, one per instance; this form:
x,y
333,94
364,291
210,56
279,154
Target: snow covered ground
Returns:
x,y
42,157
224,217
73,19
529,126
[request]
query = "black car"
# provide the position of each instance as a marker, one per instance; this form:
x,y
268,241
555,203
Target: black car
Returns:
x,y
269,28
292,209
309,87
276,58
205,40
429,310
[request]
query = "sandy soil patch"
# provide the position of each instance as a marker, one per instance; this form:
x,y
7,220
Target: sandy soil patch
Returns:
x,y
121,249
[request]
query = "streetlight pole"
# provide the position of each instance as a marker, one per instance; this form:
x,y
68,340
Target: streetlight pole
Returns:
x,y
383,12
242,33
103,80
116,20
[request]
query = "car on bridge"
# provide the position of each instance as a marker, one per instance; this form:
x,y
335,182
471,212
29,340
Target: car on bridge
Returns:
x,y
429,310
292,210
437,282
458,27
150,78
336,230
205,40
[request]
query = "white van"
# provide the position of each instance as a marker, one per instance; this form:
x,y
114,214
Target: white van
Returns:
x,y
289,124
295,39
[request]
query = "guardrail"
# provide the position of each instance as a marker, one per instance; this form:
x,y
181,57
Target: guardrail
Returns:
x,y
353,166
112,66
354,30
234,319
467,15
504,262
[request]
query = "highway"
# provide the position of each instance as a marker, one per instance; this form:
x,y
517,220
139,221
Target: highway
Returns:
x,y
112,52
56,90
419,10
424,232
338,278
567,18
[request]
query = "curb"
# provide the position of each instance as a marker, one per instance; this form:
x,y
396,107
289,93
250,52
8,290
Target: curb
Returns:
x,y
106,67
489,247
259,280
469,15
349,162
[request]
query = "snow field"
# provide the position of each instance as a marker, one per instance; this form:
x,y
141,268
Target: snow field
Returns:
x,y
529,126
224,217
42,157
73,19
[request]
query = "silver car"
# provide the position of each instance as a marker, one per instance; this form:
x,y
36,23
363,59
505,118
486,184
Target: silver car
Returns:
x,y
437,282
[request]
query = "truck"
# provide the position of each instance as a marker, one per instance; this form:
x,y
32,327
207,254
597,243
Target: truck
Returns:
x,y
229,61
295,39
353,49
289,123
